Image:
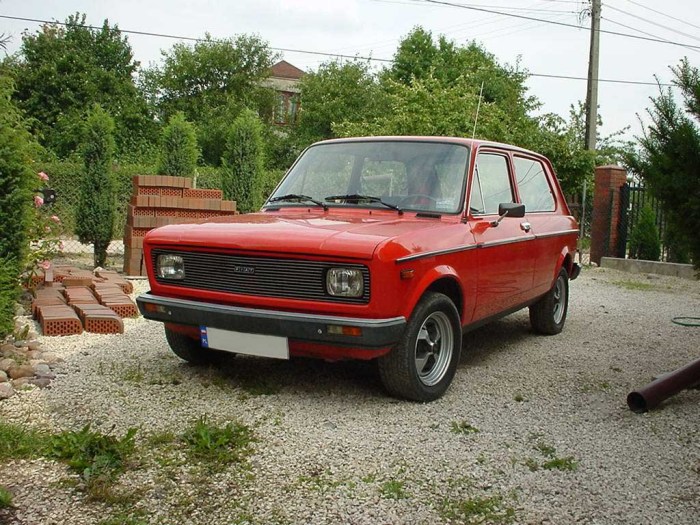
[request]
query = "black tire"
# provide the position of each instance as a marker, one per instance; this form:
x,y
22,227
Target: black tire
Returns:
x,y
191,350
415,369
548,314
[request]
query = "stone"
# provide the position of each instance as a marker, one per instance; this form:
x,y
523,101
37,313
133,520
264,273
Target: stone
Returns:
x,y
34,354
43,370
6,390
21,343
19,371
41,382
51,358
34,346
3,377
22,382
6,364
8,350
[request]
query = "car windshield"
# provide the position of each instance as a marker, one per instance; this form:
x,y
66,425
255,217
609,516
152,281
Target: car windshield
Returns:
x,y
416,176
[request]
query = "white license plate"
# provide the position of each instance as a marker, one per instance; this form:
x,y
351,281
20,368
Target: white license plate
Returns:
x,y
242,343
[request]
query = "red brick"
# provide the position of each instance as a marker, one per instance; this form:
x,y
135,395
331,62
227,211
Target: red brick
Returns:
x,y
77,280
203,193
123,308
103,324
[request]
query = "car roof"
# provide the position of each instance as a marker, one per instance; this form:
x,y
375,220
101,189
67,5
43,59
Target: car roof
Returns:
x,y
471,143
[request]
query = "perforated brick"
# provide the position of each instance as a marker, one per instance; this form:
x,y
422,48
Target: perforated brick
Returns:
x,y
123,309
103,324
147,190
203,194
61,326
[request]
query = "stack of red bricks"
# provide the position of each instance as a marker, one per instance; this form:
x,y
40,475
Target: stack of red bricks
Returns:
x,y
159,200
72,300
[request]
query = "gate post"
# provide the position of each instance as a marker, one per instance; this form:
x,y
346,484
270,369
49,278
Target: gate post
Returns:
x,y
606,211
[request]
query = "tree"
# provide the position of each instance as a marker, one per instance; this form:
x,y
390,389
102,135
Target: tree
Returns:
x,y
60,71
644,239
337,92
669,160
96,205
179,152
17,149
211,82
243,162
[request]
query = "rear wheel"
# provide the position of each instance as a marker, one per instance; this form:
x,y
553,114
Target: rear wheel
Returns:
x,y
422,365
190,349
548,315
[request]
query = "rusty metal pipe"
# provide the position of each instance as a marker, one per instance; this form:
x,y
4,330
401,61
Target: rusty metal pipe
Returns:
x,y
649,396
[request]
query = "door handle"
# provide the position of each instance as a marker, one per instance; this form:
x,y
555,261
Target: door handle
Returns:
x,y
525,226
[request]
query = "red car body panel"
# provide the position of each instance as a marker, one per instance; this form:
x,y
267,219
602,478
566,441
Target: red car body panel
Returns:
x,y
491,270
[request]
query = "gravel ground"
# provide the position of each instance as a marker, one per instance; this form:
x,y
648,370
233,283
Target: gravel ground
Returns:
x,y
533,430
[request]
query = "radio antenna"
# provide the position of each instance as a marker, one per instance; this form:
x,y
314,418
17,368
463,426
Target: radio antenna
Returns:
x,y
476,119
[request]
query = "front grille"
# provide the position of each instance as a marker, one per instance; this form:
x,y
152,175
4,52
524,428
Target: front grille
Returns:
x,y
269,277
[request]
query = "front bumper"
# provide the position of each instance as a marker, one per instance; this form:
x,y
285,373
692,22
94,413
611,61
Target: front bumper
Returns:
x,y
376,333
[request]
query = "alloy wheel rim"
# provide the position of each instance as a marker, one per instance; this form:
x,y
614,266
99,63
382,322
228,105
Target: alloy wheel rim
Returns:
x,y
559,300
434,347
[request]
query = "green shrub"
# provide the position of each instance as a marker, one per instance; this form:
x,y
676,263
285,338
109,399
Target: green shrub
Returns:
x,y
644,239
243,162
96,204
179,151
17,177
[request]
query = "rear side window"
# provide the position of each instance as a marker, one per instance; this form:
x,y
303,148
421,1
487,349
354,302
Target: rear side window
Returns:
x,y
491,184
535,192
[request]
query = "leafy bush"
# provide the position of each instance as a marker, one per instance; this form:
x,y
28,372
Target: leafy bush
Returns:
x,y
16,177
243,162
179,152
96,206
644,239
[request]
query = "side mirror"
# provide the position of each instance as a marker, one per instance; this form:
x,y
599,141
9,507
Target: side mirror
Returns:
x,y
509,209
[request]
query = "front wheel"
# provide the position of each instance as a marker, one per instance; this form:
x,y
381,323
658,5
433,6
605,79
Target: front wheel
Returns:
x,y
547,315
422,365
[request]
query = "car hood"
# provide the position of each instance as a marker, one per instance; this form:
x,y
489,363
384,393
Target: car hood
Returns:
x,y
334,235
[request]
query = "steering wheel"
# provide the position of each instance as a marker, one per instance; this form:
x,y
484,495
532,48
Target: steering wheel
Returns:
x,y
415,197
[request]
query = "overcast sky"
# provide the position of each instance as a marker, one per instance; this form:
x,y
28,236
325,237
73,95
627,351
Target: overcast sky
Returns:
x,y
374,27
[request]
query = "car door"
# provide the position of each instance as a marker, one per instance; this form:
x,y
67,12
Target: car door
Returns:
x,y
505,250
549,224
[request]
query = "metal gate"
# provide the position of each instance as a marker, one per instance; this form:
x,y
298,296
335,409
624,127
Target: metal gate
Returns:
x,y
633,197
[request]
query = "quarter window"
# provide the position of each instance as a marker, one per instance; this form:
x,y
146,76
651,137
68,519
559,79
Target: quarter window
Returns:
x,y
533,187
491,185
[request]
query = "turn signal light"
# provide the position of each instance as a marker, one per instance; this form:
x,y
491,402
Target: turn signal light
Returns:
x,y
353,331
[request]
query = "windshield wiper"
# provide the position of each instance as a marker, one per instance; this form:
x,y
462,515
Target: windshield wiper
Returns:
x,y
292,197
366,198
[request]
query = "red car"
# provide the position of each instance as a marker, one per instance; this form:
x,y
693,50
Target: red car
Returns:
x,y
386,248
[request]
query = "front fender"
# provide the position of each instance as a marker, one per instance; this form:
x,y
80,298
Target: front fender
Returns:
x,y
425,281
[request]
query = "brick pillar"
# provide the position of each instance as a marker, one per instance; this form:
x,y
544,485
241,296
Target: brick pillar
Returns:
x,y
606,210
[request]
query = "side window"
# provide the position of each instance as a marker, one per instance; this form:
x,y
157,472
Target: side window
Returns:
x,y
533,187
491,184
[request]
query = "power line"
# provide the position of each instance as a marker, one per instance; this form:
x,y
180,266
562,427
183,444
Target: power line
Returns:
x,y
664,14
651,22
303,51
553,22
691,48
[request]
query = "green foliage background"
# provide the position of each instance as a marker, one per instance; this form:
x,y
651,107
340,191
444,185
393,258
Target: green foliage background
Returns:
x,y
644,240
96,204
179,152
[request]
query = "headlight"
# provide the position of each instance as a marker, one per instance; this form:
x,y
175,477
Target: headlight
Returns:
x,y
170,266
345,282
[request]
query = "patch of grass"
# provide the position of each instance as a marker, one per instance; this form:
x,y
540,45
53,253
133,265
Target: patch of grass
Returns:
x,y
519,398
133,374
532,464
393,489
161,438
635,285
123,519
218,445
17,442
567,463
463,427
5,498
369,478
260,386
545,449
478,510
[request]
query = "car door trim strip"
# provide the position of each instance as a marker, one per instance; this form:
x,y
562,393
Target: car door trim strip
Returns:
x,y
422,255
555,234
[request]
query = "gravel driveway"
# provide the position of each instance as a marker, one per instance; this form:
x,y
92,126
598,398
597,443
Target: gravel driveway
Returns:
x,y
533,430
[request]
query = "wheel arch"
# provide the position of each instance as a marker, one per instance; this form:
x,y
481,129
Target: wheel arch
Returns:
x,y
440,279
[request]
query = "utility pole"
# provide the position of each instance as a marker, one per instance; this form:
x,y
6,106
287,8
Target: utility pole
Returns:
x,y
591,104
592,92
